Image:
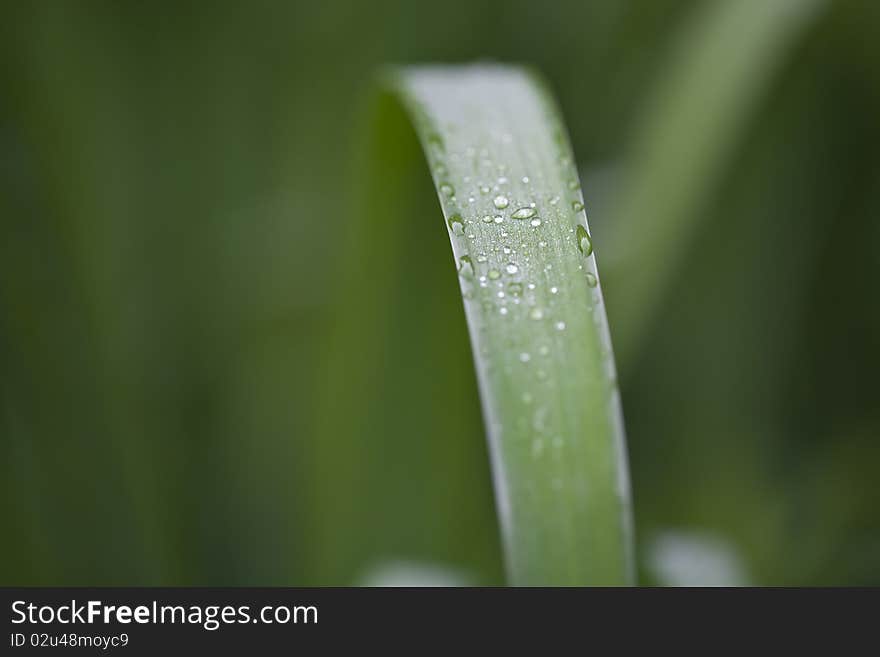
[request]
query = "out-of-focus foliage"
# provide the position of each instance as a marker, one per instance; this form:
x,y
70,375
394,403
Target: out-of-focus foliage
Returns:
x,y
175,179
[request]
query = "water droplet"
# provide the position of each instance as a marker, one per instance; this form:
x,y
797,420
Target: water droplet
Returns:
x,y
525,180
435,140
487,219
500,202
577,206
536,313
584,241
524,213
542,244
554,290
506,250
512,268
503,311
524,357
573,183
539,419
465,266
592,281
494,274
543,350
498,219
537,447
515,289
535,222
456,225
482,258
447,189
560,326
484,189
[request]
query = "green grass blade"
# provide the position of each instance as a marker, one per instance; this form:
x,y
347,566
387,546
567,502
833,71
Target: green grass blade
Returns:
x,y
511,200
722,65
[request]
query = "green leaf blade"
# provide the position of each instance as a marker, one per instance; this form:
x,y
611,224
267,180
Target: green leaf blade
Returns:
x,y
504,173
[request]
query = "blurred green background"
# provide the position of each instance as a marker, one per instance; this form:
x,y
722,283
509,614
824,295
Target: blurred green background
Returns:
x,y
175,183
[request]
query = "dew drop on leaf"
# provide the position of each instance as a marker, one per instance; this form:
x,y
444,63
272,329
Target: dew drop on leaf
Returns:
x,y
436,141
537,447
584,241
465,267
501,202
524,213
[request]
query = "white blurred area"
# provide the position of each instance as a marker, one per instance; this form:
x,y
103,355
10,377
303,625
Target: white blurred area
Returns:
x,y
413,573
674,558
686,558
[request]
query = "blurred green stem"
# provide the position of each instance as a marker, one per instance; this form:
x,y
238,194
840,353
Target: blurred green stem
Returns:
x,y
723,63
